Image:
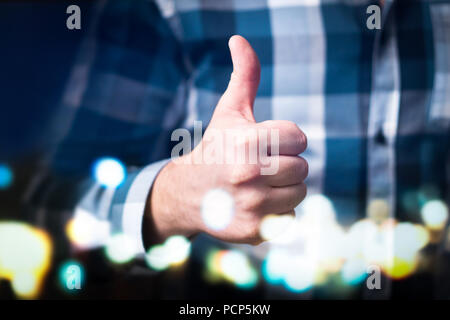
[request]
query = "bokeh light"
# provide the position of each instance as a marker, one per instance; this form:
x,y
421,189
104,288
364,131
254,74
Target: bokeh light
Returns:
x,y
435,214
422,236
24,284
399,268
86,231
232,266
6,176
217,209
274,226
173,252
354,271
322,249
213,269
25,254
120,248
177,249
109,172
300,274
408,240
318,208
364,239
156,258
274,265
236,268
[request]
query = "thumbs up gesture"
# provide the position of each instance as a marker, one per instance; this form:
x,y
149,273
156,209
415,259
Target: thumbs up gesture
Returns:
x,y
182,189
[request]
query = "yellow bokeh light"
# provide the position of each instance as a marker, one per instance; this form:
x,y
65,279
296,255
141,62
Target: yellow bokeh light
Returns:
x,y
86,231
232,266
25,254
399,268
172,253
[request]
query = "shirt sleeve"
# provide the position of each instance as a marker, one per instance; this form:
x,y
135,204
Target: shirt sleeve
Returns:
x,y
133,210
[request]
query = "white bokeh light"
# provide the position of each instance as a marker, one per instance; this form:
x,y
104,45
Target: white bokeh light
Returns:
x,y
319,209
85,230
177,249
275,226
354,271
434,214
174,251
237,268
25,257
24,283
217,209
300,274
406,243
361,236
109,172
156,258
120,248
275,264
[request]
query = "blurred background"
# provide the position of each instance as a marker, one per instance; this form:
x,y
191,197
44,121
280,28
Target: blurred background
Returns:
x,y
36,58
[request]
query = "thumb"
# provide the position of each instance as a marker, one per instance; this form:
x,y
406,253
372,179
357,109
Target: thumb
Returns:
x,y
243,86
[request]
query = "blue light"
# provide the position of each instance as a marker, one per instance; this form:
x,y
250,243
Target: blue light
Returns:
x,y
270,276
296,289
354,271
6,176
109,172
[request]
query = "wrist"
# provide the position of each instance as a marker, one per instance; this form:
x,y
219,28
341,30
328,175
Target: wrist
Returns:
x,y
169,210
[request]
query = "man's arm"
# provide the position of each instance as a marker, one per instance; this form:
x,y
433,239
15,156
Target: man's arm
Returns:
x,y
175,204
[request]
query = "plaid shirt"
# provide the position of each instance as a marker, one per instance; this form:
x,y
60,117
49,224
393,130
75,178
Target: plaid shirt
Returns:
x,y
374,104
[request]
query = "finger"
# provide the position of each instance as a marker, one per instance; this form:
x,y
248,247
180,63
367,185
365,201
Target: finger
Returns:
x,y
291,170
290,140
284,199
243,86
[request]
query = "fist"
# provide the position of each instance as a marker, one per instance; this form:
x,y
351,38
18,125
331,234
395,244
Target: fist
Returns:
x,y
256,167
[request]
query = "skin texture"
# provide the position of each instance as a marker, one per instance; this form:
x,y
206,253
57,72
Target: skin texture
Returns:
x,y
174,205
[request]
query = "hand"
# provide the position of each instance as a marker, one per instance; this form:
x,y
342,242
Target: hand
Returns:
x,y
175,203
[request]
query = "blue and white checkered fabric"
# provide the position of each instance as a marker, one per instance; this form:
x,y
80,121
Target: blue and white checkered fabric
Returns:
x,y
375,104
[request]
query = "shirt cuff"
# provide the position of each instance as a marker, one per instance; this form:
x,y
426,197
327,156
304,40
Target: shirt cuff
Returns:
x,y
136,199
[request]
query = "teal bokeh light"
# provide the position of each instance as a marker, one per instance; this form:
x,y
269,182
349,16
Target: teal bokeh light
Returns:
x,y
6,176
